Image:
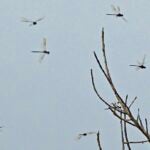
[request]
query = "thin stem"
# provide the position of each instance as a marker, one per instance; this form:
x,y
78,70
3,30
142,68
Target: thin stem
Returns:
x,y
98,141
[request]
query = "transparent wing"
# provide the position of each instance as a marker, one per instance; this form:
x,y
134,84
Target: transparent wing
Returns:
x,y
40,19
41,58
118,9
44,44
124,19
114,8
143,61
25,20
79,137
139,63
137,68
31,24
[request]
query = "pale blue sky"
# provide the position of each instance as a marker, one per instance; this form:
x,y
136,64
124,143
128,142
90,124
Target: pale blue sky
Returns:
x,y
44,106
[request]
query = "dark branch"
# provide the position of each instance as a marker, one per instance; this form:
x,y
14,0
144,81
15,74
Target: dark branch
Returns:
x,y
137,142
98,141
122,133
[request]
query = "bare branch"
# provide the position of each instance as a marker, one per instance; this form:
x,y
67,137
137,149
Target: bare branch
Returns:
x,y
98,141
94,87
126,99
126,135
146,123
100,65
136,122
118,116
122,133
105,102
133,102
137,142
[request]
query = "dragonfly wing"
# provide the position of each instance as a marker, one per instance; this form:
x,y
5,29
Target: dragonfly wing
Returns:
x,y
118,9
40,19
31,24
78,137
25,20
139,63
41,58
124,19
143,61
113,8
137,68
44,44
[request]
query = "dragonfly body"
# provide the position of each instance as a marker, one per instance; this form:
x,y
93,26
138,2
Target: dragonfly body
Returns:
x,y
44,51
80,135
34,22
140,65
117,15
83,134
116,12
31,22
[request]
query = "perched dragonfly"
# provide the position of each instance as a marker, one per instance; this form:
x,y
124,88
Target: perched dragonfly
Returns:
x,y
117,12
31,22
80,135
44,51
140,65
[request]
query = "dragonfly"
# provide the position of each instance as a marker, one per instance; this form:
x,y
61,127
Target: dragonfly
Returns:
x,y
80,135
44,51
140,65
117,12
31,22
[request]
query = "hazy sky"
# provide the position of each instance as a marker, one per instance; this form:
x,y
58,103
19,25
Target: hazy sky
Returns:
x,y
44,106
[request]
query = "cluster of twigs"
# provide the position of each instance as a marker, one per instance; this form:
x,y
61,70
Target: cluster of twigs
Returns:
x,y
120,109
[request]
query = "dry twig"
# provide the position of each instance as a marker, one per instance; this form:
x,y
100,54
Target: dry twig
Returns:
x,y
98,141
122,107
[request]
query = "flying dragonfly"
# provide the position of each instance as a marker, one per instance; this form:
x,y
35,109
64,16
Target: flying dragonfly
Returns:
x,y
31,22
80,135
140,65
117,12
44,51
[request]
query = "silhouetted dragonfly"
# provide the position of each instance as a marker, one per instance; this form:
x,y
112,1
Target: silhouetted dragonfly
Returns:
x,y
44,51
80,135
140,65
31,22
117,12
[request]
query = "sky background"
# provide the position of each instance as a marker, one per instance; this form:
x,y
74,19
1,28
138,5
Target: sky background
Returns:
x,y
45,106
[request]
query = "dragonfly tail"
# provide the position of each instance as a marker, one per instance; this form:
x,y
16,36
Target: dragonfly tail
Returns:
x,y
111,14
133,65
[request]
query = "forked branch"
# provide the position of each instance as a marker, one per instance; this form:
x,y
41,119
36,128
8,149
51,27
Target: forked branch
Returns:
x,y
120,106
